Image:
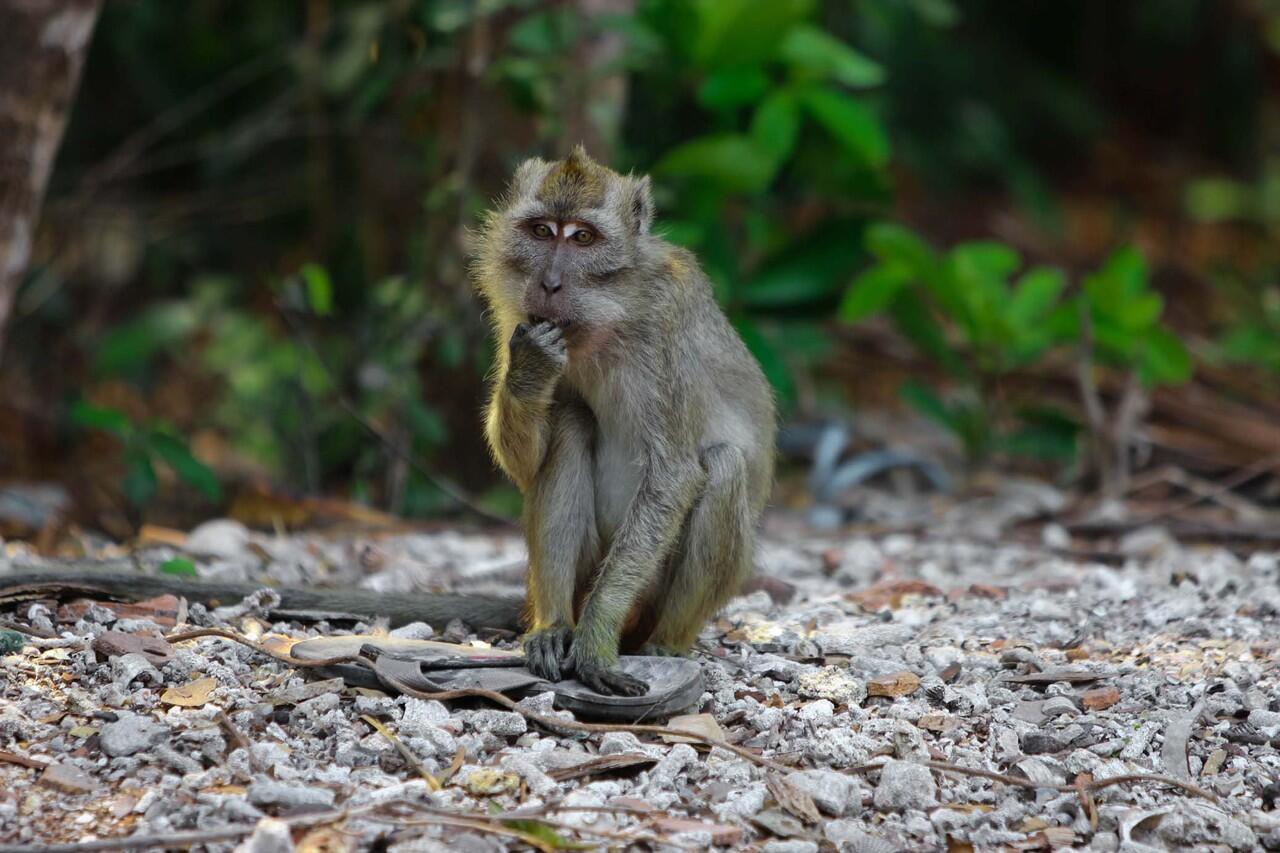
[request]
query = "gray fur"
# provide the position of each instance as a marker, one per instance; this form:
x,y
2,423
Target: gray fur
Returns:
x,y
642,436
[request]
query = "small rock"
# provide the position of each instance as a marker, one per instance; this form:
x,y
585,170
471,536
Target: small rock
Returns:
x,y
1100,698
1056,706
790,845
64,777
129,734
836,794
617,743
421,716
832,683
221,537
501,723
904,785
131,667
897,684
265,792
413,631
1041,742
270,835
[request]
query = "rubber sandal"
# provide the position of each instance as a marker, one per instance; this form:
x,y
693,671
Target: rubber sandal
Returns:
x,y
431,667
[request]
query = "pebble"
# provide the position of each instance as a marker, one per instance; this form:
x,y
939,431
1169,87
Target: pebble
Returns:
x,y
129,734
904,785
836,794
834,684
265,792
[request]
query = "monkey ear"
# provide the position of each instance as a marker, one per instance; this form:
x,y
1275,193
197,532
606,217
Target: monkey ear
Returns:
x,y
641,204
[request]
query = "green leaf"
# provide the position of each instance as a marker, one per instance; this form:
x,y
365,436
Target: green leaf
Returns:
x,y
139,482
733,161
808,271
1142,312
986,258
922,398
178,566
872,291
1036,295
131,346
319,289
173,451
820,53
727,88
744,32
911,316
890,242
776,125
1219,200
1165,361
99,417
851,124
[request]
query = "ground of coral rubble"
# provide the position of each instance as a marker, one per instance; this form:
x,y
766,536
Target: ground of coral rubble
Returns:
x,y
900,651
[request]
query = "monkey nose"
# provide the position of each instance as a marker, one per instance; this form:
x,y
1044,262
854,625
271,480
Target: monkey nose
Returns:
x,y
551,285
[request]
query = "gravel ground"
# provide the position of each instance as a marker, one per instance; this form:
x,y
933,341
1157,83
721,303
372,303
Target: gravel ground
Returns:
x,y
901,651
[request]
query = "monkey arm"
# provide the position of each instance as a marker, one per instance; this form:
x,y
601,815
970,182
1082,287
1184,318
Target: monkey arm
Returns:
x,y
518,430
518,420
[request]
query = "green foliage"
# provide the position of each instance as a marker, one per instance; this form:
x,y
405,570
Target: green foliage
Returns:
x,y
786,123
144,445
1124,318
980,316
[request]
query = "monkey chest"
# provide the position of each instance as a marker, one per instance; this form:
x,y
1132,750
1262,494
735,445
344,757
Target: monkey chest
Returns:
x,y
617,469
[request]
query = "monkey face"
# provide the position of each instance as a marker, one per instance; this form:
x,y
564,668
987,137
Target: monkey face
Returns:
x,y
567,233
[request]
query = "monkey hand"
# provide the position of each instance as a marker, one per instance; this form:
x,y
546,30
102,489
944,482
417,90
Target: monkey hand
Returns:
x,y
600,675
545,651
538,357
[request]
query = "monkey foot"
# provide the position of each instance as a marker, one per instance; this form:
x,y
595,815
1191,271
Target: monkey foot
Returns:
x,y
609,681
545,652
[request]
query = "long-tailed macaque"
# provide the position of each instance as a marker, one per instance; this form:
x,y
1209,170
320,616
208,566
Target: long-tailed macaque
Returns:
x,y
627,411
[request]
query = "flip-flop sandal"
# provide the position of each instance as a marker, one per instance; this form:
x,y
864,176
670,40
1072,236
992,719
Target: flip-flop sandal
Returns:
x,y
430,666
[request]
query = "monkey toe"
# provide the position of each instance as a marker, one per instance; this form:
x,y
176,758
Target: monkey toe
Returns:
x,y
611,681
544,651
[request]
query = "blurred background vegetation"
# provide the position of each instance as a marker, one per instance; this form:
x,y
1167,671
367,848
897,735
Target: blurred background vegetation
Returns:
x,y
1047,228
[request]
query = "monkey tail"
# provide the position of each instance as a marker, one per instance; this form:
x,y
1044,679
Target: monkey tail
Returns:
x,y
479,610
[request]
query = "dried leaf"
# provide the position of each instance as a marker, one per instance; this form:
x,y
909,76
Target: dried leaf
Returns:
x,y
110,644
720,833
893,593
703,724
791,798
489,782
193,694
897,684
601,764
325,839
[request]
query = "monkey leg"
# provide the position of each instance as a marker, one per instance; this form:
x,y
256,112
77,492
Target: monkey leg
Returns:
x,y
564,545
715,557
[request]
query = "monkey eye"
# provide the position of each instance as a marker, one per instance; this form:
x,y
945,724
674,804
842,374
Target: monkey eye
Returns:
x,y
584,237
542,231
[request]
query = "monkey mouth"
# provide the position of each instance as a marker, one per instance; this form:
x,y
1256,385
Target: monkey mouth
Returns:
x,y
562,322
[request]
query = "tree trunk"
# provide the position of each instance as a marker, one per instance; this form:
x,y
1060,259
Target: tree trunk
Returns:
x,y
43,44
